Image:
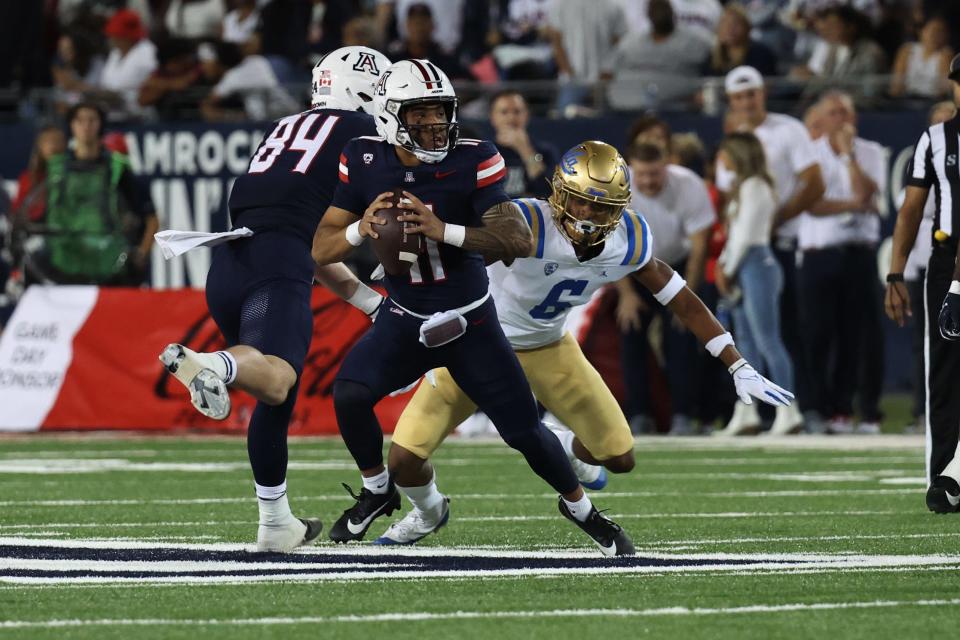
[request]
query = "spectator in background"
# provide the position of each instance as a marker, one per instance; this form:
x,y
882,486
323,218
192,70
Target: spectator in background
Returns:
x,y
915,274
173,90
750,278
194,19
518,37
101,219
838,274
447,14
652,130
700,17
646,69
327,20
528,161
241,22
131,60
583,36
76,68
30,201
419,43
920,69
792,161
733,46
361,31
845,50
247,77
676,206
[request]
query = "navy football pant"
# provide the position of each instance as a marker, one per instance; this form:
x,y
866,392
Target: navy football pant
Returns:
x,y
481,361
258,292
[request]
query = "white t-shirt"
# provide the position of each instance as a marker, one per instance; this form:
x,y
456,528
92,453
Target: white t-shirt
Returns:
x,y
124,74
535,295
681,209
789,151
447,19
819,232
237,30
199,19
700,16
590,30
263,97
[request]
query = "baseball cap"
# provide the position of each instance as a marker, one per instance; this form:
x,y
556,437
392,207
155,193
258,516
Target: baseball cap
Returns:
x,y
741,79
125,23
954,73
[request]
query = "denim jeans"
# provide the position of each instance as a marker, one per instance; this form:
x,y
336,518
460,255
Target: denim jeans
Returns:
x,y
756,319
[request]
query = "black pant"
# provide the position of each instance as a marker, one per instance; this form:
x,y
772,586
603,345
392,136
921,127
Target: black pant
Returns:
x,y
943,358
836,287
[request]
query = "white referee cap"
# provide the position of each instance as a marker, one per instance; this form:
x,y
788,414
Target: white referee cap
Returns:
x,y
742,78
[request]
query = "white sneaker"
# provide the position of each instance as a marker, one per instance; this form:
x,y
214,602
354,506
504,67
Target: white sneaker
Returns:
x,y
840,425
285,538
745,421
867,428
208,391
416,525
789,421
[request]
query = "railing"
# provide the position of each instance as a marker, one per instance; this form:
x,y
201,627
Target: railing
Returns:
x,y
671,94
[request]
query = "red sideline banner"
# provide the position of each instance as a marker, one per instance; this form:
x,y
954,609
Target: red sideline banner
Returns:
x,y
86,358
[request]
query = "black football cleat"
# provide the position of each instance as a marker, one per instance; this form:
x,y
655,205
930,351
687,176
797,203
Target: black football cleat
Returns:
x,y
607,534
943,496
369,506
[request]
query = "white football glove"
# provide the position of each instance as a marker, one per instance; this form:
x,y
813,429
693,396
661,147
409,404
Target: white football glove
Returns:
x,y
751,384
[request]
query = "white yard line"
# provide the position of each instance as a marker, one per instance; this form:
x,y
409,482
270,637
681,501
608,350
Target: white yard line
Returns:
x,y
426,616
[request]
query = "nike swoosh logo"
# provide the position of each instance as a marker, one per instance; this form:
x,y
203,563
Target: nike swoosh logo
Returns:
x,y
440,175
357,529
953,500
608,550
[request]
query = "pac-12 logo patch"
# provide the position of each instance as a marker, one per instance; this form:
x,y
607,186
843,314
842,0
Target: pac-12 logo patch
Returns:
x,y
367,158
408,177
549,268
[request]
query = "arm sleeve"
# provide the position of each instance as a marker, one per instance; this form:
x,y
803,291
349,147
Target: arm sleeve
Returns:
x,y
135,195
348,195
491,172
922,174
802,152
756,206
699,214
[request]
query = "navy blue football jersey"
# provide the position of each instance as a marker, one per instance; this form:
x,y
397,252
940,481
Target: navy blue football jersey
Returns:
x,y
459,190
291,178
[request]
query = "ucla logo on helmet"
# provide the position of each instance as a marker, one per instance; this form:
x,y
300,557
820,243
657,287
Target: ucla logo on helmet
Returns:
x,y
569,161
549,268
366,63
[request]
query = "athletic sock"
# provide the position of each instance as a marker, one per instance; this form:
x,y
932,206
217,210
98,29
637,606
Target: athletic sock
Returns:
x,y
274,508
579,509
378,483
221,363
426,498
565,436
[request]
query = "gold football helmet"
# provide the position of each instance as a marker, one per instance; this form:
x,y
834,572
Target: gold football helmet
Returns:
x,y
596,173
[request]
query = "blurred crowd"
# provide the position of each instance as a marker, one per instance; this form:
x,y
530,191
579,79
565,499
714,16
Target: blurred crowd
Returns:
x,y
231,59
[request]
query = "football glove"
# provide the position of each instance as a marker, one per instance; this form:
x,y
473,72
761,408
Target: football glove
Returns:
x,y
949,319
751,384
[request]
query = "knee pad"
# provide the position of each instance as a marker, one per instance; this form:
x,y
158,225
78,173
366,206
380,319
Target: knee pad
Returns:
x,y
348,394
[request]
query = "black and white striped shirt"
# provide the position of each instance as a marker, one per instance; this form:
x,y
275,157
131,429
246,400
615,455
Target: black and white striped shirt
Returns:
x,y
936,163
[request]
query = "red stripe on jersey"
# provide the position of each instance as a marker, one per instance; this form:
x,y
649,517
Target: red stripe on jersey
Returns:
x,y
343,160
493,177
423,72
344,177
489,162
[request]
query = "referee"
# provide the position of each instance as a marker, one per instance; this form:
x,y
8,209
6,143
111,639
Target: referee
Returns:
x,y
936,164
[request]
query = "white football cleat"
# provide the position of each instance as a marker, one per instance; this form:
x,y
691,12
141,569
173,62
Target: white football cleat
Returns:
x,y
789,421
286,538
208,391
745,421
416,525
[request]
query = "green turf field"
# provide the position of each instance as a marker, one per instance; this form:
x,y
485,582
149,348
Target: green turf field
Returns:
x,y
144,537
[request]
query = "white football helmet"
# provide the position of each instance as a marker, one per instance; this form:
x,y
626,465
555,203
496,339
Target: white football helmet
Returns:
x,y
345,79
407,83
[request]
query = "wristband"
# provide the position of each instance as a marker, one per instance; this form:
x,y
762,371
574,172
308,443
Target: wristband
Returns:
x,y
895,277
717,344
737,365
454,234
353,234
365,299
955,287
671,289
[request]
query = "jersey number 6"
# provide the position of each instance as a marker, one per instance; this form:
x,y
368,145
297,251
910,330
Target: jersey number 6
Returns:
x,y
552,305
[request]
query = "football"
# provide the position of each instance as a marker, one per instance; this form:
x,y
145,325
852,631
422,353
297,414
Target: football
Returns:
x,y
396,249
